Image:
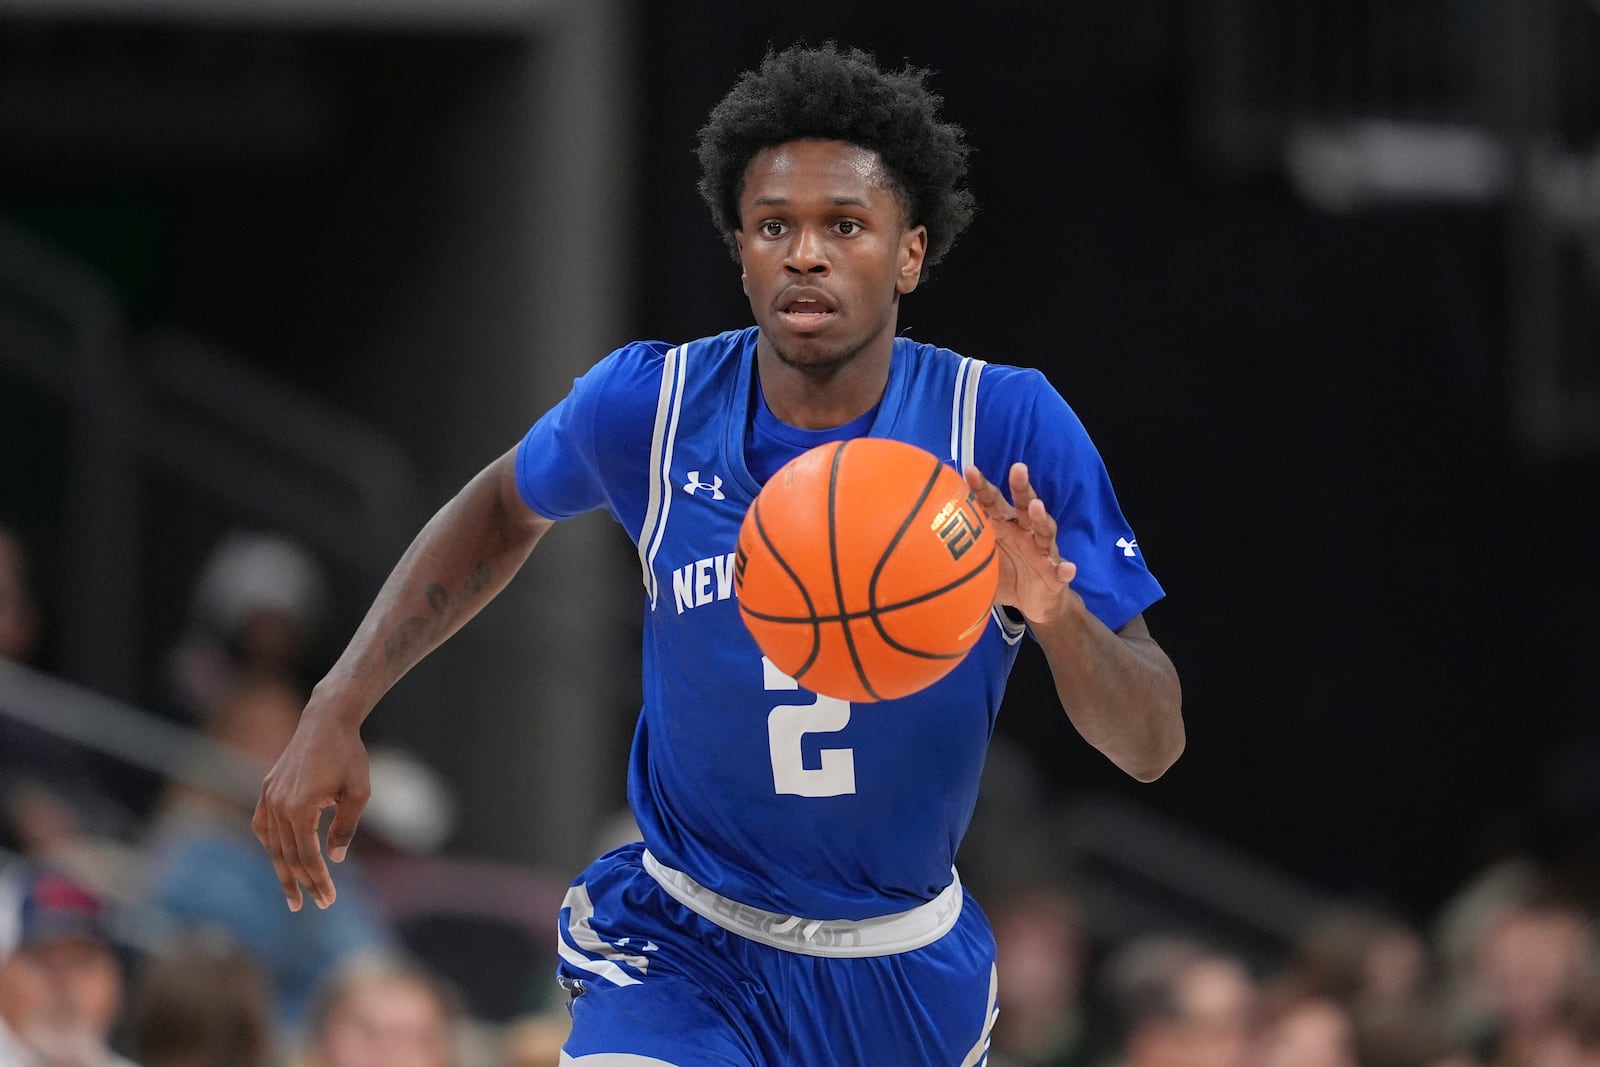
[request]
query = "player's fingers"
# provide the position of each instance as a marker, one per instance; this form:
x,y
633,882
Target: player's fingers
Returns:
x,y
304,850
345,818
259,822
1042,525
264,825
1022,494
988,495
268,833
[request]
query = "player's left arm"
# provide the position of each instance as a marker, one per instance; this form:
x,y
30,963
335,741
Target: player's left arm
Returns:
x,y
1118,687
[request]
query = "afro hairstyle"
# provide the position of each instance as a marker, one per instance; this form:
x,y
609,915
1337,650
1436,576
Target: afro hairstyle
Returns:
x,y
837,94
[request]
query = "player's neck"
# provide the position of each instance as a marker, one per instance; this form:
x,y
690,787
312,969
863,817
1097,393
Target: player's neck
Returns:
x,y
822,397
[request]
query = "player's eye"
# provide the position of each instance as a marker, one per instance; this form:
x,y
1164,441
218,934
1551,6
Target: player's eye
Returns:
x,y
771,228
847,227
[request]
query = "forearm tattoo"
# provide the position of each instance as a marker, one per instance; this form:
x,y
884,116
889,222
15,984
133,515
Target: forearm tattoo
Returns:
x,y
417,634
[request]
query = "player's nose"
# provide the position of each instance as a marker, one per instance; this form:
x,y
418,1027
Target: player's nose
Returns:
x,y
808,252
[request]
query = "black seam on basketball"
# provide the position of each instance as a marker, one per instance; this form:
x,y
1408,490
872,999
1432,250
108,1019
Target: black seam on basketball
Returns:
x,y
851,616
838,583
894,542
983,565
877,617
875,610
816,624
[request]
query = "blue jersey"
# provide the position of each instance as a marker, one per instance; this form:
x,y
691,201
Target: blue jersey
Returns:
x,y
758,789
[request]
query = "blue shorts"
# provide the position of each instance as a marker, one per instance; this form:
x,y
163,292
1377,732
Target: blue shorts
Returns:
x,y
664,972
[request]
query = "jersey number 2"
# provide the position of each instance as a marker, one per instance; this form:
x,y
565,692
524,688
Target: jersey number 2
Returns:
x,y
787,725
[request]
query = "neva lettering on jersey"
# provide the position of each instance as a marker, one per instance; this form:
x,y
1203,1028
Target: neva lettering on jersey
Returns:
x,y
705,581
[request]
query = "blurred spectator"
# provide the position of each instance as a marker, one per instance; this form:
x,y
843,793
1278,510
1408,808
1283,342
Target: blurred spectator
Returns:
x,y
51,791
1307,1031
1378,970
19,612
536,1040
1364,957
61,982
1463,919
484,925
1179,1003
413,810
1409,1040
1042,952
205,1002
258,607
1530,963
208,870
1575,1039
384,1011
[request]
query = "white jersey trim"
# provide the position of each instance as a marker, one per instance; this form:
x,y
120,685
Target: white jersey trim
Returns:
x,y
581,929
882,935
669,404
964,450
964,411
980,1051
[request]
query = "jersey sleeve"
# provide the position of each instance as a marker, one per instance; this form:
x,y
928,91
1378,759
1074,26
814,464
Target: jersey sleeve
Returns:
x,y
568,461
1069,475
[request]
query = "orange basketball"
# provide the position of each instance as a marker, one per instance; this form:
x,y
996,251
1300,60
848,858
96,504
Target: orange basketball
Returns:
x,y
865,569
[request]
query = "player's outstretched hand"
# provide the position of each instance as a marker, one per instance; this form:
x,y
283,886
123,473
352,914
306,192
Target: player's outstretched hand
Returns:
x,y
1034,579
323,766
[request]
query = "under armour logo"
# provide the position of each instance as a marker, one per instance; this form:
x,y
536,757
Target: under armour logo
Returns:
x,y
1127,546
714,486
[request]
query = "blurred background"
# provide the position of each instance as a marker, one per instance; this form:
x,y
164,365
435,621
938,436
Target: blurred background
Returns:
x,y
1321,277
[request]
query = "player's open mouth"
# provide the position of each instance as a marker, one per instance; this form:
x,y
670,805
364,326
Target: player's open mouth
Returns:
x,y
806,313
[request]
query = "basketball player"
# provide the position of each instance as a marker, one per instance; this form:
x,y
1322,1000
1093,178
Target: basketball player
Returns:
x,y
794,900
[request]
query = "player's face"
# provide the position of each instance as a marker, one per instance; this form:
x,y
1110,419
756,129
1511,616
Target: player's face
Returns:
x,y
826,252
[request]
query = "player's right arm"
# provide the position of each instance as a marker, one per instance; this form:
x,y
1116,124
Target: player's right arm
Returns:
x,y
460,560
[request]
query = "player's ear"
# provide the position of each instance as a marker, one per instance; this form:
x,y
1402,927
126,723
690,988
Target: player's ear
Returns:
x,y
738,247
913,248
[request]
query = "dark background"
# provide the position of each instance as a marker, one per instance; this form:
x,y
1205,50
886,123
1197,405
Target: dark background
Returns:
x,y
1380,588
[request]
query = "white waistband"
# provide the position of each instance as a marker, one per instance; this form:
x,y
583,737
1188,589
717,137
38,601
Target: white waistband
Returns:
x,y
882,935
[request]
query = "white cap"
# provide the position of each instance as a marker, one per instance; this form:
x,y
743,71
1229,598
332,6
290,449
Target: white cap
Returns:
x,y
250,571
